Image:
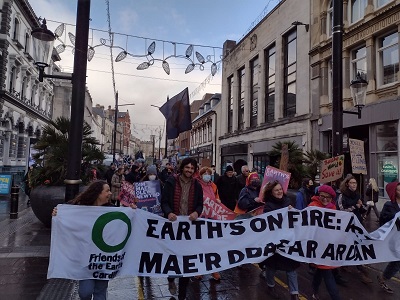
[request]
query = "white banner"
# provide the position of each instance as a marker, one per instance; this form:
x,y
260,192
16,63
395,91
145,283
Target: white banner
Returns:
x,y
103,242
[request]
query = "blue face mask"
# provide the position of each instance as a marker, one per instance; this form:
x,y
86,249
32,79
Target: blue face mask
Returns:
x,y
206,177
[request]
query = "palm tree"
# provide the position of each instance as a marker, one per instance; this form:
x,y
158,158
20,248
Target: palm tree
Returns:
x,y
295,165
313,159
52,149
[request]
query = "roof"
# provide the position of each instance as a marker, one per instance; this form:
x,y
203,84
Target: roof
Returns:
x,y
98,111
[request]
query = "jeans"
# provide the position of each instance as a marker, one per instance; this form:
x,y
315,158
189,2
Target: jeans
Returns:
x,y
327,276
182,288
391,269
291,278
89,287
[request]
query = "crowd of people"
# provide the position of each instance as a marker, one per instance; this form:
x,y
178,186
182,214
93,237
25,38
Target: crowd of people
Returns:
x,y
185,188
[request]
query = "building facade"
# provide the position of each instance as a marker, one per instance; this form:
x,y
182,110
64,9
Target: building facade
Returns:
x,y
371,49
25,103
265,88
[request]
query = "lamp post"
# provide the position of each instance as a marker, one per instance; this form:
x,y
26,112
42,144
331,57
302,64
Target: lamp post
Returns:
x,y
78,78
166,139
115,123
358,86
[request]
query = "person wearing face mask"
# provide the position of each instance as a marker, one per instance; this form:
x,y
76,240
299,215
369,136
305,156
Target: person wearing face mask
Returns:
x,y
249,195
210,191
304,194
151,174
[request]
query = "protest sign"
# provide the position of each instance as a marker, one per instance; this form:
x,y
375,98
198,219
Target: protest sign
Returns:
x,y
5,184
272,174
358,163
115,241
216,211
148,195
332,169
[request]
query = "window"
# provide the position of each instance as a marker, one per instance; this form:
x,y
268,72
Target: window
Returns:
x,y
254,92
210,131
16,29
270,84
26,48
23,89
330,82
12,77
21,150
241,83
200,135
230,103
357,9
380,3
290,48
12,152
388,59
329,19
359,63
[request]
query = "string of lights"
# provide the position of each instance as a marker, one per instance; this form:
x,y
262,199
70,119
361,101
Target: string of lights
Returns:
x,y
194,57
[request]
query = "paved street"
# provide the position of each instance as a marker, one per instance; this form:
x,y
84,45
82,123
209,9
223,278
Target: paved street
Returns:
x,y
24,252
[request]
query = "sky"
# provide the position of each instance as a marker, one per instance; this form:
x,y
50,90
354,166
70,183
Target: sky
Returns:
x,y
206,24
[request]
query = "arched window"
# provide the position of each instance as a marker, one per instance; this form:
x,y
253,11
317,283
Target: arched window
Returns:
x,y
16,29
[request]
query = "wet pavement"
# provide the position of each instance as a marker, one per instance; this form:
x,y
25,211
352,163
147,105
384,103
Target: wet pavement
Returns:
x,y
24,257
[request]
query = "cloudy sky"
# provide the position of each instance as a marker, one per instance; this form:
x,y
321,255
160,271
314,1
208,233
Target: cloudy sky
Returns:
x,y
136,24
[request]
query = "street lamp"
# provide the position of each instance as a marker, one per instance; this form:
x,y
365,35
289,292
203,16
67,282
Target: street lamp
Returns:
x,y
73,180
115,123
166,139
358,87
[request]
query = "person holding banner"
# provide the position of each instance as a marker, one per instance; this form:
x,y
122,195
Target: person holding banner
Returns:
x,y
275,199
97,194
182,196
210,191
350,200
325,199
389,210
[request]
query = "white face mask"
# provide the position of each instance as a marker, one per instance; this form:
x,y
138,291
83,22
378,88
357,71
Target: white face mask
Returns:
x,y
152,177
206,177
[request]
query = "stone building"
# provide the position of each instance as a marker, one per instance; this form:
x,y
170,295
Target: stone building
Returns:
x,y
25,103
370,48
266,88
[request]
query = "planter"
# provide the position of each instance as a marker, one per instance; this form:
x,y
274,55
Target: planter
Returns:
x,y
44,198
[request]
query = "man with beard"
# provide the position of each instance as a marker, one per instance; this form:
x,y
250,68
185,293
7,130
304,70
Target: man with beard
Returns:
x,y
182,196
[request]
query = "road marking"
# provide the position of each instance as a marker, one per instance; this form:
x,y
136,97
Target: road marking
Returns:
x,y
284,285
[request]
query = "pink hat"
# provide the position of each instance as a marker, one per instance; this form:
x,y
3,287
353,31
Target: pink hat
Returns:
x,y
327,189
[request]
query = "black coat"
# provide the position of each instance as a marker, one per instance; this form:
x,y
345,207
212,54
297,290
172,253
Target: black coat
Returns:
x,y
228,191
276,261
388,212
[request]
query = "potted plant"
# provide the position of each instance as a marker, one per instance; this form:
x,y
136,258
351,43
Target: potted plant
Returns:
x,y
48,176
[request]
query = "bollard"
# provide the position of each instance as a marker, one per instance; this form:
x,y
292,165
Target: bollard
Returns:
x,y
14,202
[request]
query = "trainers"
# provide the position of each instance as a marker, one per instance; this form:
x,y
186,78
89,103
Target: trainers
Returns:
x,y
172,287
314,297
383,285
216,276
272,292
